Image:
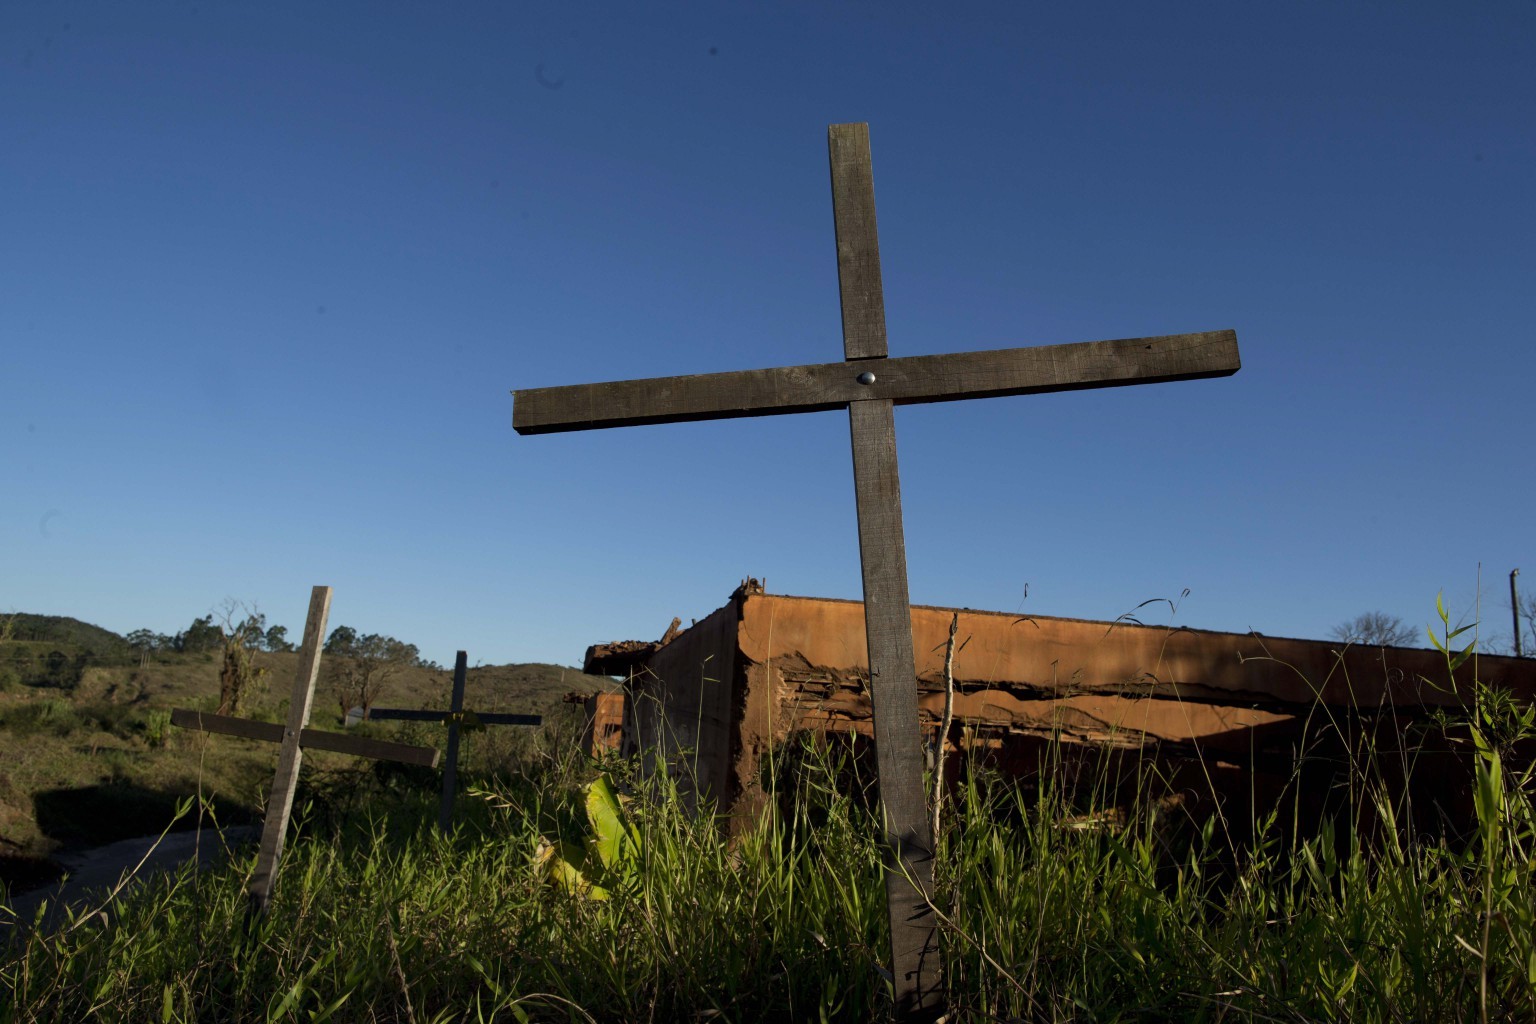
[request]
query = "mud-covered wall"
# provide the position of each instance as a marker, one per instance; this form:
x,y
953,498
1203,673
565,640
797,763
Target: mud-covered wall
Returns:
x,y
1034,657
1240,708
1241,711
680,707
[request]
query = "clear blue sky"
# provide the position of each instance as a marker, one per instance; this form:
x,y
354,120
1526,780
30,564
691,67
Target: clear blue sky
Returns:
x,y
268,273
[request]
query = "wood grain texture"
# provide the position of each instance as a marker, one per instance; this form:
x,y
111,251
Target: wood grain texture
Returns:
x,y
858,241
893,695
280,802
309,739
907,380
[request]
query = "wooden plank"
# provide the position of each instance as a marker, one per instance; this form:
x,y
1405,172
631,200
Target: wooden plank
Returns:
x,y
893,695
280,803
451,769
407,715
908,846
858,242
207,721
503,718
442,717
309,739
907,380
358,746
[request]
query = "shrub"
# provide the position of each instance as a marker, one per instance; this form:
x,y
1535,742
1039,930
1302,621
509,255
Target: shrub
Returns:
x,y
157,728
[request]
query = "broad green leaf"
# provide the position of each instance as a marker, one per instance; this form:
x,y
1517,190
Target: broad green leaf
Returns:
x,y
1489,795
606,816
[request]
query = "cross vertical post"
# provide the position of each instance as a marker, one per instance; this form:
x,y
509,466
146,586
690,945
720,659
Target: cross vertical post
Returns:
x,y
455,716
280,803
909,843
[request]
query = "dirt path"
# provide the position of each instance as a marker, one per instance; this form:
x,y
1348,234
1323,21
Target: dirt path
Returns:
x,y
93,873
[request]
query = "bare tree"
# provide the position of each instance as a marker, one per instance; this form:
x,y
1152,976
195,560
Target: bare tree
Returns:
x,y
357,666
1374,629
241,629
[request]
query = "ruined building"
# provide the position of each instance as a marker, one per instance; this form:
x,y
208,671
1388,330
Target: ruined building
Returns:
x,y
1206,715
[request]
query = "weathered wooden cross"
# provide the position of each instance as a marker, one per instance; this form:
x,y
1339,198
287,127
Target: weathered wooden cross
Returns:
x,y
869,384
295,739
454,718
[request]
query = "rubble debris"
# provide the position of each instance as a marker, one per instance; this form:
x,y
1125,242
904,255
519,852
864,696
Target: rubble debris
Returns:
x,y
622,657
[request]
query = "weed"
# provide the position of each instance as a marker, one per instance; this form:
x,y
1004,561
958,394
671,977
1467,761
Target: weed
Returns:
x,y
157,729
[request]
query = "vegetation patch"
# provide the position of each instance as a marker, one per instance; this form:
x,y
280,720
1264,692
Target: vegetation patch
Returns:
x,y
1049,909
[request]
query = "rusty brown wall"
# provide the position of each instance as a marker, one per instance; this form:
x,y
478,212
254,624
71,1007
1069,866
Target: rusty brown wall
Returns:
x,y
605,722
1234,706
1239,704
1051,657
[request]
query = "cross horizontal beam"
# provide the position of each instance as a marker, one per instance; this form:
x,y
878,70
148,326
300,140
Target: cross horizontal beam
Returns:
x,y
309,739
470,717
906,380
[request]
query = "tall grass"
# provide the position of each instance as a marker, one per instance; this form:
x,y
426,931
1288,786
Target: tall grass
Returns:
x,y
1051,909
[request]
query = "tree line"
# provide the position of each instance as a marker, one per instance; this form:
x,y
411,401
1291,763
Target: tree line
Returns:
x,y
354,670
206,635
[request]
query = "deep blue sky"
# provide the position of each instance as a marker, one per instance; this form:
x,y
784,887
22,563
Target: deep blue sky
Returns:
x,y
268,273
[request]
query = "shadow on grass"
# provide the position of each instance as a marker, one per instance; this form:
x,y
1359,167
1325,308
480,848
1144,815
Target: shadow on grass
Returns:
x,y
106,812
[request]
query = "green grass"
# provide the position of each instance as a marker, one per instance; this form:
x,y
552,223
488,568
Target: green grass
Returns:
x,y
1049,914
1054,903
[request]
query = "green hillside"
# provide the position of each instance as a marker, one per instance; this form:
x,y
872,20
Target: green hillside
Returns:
x,y
63,631
87,754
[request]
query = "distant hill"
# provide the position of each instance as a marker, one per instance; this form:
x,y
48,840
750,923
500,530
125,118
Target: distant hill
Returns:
x,y
63,631
534,688
59,651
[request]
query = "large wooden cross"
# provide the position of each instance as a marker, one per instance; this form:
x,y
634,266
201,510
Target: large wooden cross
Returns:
x,y
296,737
869,383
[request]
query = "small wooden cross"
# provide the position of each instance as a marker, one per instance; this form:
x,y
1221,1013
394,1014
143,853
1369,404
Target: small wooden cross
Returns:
x,y
455,717
295,738
869,383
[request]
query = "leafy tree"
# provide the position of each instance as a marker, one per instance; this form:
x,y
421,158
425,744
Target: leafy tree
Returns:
x,y
202,635
1374,629
357,666
276,639
341,640
145,642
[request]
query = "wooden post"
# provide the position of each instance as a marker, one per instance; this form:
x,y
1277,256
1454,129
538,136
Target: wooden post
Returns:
x,y
280,803
887,609
455,714
868,383
1514,607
